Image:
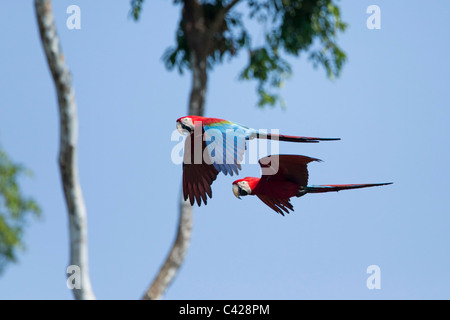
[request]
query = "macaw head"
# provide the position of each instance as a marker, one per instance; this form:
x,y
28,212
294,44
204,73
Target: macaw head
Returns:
x,y
188,123
244,187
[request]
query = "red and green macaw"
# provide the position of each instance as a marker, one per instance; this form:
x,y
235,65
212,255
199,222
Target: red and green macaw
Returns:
x,y
225,142
284,177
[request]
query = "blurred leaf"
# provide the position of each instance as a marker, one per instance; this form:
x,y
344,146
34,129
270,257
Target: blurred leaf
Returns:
x,y
14,208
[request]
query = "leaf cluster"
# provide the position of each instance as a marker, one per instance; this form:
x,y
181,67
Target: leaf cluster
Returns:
x,y
14,209
289,28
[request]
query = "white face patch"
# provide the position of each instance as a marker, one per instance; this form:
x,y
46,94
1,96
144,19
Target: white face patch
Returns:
x,y
244,186
185,125
188,123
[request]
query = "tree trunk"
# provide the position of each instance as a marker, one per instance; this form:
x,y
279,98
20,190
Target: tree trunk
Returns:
x,y
82,289
199,40
179,248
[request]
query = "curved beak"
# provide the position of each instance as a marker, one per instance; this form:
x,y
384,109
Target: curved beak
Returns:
x,y
236,191
180,128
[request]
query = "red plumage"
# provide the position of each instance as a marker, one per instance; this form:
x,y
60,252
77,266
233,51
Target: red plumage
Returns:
x,y
197,178
284,177
199,174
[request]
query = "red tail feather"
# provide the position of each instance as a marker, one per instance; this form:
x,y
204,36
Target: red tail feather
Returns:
x,y
339,187
282,137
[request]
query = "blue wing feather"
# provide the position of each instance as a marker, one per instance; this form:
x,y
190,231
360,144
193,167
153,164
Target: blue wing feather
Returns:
x,y
226,145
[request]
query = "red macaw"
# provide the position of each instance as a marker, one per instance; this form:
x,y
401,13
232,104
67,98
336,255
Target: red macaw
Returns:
x,y
225,143
284,177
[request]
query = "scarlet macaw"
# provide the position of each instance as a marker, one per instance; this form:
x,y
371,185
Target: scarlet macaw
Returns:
x,y
225,143
284,177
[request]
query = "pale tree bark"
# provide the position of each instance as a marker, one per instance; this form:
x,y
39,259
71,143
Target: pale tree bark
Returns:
x,y
67,149
200,39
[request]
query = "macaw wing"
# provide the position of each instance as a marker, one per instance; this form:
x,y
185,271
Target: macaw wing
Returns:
x,y
286,167
225,141
278,205
197,177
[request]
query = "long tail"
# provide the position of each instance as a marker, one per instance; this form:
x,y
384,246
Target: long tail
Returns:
x,y
282,137
339,187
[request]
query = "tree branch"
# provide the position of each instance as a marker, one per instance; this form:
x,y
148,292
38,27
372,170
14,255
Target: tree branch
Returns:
x,y
176,255
215,26
179,248
67,147
230,5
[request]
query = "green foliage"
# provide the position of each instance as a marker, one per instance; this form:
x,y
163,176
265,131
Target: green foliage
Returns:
x,y
14,208
136,8
269,68
227,41
290,27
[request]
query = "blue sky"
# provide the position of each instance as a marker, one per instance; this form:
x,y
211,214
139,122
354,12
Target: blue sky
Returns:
x,y
390,107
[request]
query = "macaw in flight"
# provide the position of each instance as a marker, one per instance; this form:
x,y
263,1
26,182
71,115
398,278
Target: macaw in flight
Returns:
x,y
224,142
284,177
